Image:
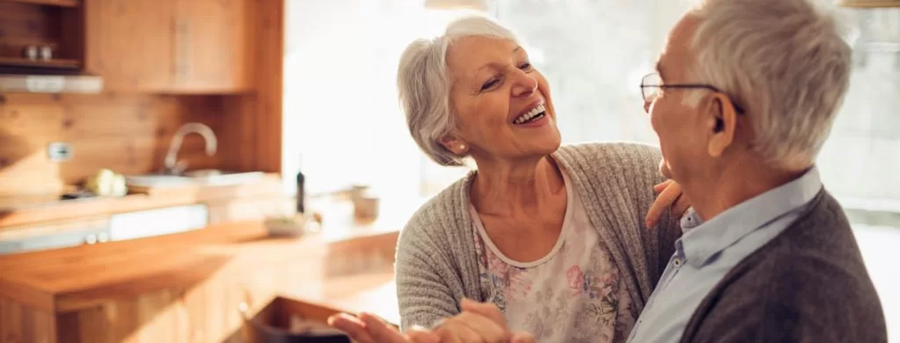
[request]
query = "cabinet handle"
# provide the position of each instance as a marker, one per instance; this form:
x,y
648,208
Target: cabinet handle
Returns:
x,y
176,35
182,49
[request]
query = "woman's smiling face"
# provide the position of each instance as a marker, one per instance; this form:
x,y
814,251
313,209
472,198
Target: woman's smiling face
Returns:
x,y
502,104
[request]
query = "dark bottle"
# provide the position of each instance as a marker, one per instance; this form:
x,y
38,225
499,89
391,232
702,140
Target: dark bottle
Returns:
x,y
301,196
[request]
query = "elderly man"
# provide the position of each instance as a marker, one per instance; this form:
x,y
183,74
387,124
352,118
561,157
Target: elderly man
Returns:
x,y
743,98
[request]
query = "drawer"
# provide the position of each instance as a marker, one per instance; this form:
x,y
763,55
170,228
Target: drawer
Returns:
x,y
157,222
53,235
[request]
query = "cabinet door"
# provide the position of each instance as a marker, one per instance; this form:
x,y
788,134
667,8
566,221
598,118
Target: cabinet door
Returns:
x,y
212,39
129,43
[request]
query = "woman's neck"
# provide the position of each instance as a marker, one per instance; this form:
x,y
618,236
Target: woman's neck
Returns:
x,y
504,188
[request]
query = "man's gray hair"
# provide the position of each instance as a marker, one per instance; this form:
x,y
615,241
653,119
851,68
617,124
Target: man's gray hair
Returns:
x,y
784,61
423,84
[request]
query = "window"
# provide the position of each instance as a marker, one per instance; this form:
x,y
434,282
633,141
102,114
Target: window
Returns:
x,y
343,123
342,114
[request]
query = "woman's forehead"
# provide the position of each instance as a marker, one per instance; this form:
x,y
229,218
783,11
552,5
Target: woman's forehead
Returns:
x,y
468,56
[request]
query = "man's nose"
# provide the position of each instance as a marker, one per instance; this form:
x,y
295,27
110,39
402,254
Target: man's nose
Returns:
x,y
647,106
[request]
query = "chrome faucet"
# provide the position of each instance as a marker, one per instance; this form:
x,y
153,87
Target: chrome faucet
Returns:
x,y
175,167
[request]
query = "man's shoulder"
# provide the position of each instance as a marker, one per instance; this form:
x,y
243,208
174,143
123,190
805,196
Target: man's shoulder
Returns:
x,y
813,263
809,279
796,297
798,286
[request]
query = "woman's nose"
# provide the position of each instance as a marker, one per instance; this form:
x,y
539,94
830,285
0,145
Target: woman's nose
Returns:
x,y
525,84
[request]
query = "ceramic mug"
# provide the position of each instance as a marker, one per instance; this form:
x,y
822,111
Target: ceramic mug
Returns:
x,y
30,52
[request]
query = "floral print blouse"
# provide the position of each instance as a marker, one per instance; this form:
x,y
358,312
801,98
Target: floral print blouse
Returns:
x,y
573,294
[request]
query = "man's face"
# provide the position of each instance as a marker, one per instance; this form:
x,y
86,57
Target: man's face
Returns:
x,y
681,128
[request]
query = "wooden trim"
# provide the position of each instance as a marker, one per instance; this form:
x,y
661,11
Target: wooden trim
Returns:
x,y
270,85
256,118
72,38
869,4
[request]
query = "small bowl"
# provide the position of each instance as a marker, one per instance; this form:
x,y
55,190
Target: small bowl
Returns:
x,y
286,226
294,226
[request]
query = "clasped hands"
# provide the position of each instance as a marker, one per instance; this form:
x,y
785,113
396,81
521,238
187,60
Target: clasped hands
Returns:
x,y
478,323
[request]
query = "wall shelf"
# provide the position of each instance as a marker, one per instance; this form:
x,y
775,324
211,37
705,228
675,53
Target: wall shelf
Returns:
x,y
24,62
57,3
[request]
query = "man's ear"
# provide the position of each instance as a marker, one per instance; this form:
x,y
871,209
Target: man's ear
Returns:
x,y
723,125
454,144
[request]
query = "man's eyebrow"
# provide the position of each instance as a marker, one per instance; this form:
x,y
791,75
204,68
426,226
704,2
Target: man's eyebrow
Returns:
x,y
659,70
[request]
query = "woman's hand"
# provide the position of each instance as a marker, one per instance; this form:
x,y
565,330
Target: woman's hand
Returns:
x,y
478,323
368,328
670,196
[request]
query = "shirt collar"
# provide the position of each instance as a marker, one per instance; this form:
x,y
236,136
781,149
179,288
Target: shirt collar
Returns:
x,y
703,240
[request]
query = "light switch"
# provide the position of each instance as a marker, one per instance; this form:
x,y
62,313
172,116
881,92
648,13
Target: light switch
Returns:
x,y
59,152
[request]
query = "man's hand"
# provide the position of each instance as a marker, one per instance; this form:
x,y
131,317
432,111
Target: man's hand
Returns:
x,y
670,196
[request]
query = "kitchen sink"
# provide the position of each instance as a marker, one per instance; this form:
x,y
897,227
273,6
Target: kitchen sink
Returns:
x,y
205,177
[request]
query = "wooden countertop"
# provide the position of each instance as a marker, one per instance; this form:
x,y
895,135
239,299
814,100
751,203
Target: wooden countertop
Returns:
x,y
70,279
17,211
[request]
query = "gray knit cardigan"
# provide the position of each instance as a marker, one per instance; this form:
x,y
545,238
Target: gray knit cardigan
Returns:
x,y
436,265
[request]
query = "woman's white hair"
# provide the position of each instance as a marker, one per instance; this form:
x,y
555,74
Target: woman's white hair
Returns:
x,y
424,85
784,61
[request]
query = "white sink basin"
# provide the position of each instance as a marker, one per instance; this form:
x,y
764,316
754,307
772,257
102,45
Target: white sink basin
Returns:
x,y
200,177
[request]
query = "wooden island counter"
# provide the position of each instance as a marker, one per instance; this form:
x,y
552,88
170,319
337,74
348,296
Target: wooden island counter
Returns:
x,y
186,287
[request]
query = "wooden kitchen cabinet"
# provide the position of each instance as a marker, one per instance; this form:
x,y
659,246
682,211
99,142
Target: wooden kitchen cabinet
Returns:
x,y
169,46
130,43
212,46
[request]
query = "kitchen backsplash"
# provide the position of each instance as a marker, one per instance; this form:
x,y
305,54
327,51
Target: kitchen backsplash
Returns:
x,y
125,133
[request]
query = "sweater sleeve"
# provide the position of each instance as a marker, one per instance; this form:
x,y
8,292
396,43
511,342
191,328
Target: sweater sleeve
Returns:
x,y
668,230
423,291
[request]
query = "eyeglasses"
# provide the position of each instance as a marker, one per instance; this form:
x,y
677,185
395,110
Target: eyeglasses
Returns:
x,y
652,83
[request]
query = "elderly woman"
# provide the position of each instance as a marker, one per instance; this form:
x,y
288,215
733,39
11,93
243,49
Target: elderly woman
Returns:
x,y
554,236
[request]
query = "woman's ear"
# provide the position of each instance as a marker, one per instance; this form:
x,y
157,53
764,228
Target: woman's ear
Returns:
x,y
454,144
723,125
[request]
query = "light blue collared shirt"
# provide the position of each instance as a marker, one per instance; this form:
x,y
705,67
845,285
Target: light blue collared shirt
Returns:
x,y
707,251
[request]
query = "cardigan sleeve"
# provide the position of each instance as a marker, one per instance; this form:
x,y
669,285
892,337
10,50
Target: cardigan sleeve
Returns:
x,y
423,277
668,229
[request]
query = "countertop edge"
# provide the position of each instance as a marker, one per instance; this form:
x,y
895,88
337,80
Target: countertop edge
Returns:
x,y
210,257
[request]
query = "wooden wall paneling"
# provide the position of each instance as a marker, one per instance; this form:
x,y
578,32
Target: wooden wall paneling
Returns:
x,y
129,134
241,130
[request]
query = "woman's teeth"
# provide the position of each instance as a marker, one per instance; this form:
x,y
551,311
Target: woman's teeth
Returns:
x,y
535,113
